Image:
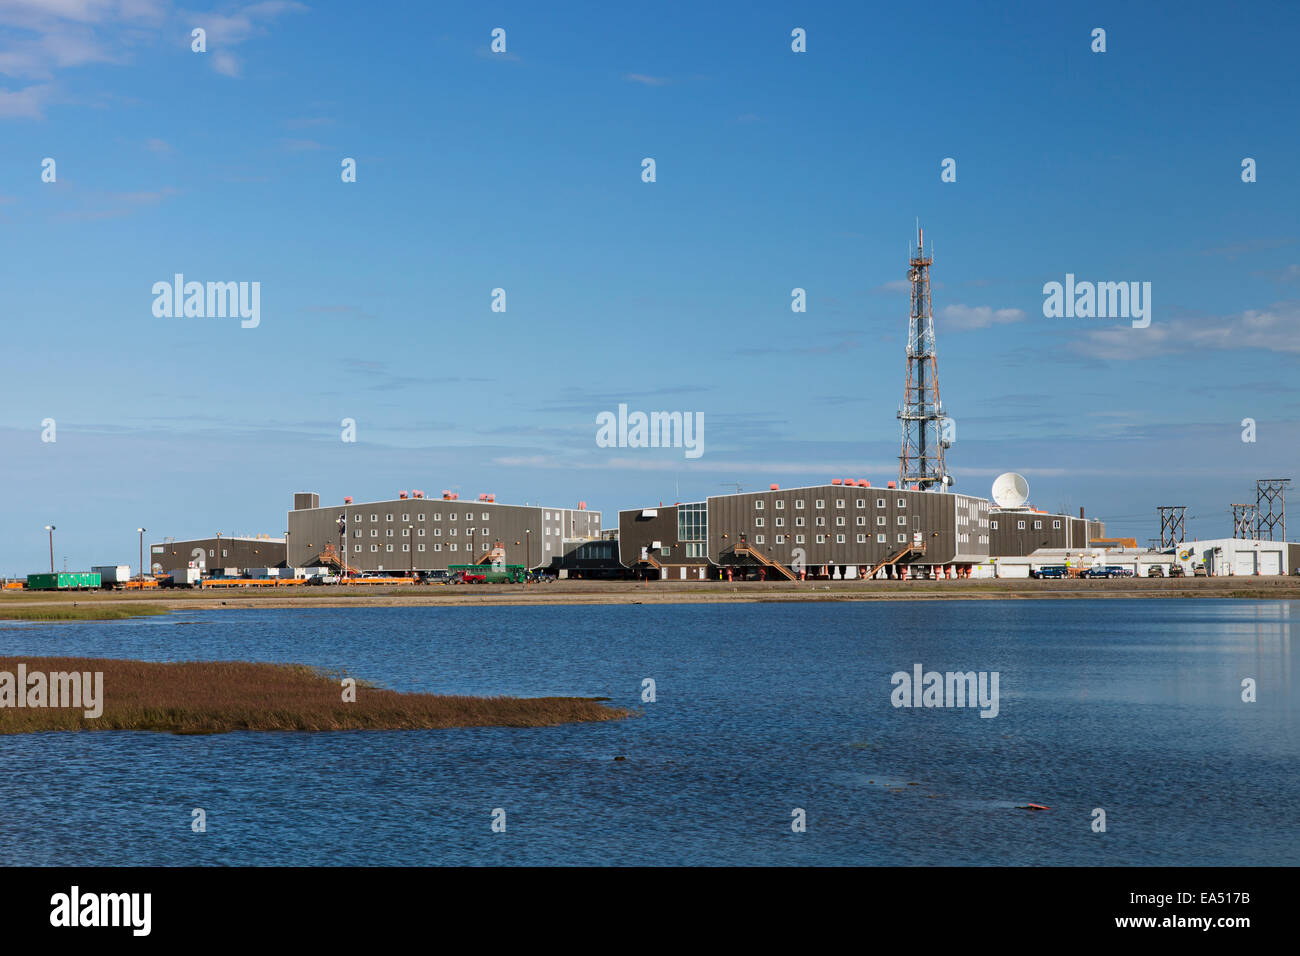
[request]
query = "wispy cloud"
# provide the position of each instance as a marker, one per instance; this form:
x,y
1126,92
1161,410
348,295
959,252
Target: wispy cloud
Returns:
x,y
964,317
645,79
1275,329
159,146
226,31
300,145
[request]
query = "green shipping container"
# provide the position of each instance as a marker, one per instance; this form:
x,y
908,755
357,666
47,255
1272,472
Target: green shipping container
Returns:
x,y
62,581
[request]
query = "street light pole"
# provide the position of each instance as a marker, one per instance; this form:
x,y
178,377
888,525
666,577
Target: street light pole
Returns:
x,y
410,533
142,531
50,529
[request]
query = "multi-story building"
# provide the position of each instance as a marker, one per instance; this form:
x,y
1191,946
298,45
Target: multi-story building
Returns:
x,y
845,527
412,532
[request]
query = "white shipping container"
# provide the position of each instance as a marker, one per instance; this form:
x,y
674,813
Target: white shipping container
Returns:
x,y
186,576
112,573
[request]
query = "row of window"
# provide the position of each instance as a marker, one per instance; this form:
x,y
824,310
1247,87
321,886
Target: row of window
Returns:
x,y
1020,525
419,547
839,521
779,504
839,539
419,533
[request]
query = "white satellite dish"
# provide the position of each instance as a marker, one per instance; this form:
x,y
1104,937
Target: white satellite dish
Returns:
x,y
1010,490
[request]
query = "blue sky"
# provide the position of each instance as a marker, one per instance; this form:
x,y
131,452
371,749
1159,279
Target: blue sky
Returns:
x,y
522,171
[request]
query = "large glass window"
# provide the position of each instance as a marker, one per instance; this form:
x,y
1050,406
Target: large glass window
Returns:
x,y
692,522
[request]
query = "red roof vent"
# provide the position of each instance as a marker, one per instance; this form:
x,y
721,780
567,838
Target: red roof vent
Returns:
x,y
836,481
773,487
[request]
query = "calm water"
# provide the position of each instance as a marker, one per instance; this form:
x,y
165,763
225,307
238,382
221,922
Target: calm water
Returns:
x,y
1131,706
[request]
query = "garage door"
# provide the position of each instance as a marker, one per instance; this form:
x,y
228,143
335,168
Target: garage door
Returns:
x,y
1270,562
1243,562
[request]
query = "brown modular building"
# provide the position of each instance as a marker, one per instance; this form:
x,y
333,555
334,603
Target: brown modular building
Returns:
x,y
412,532
212,554
1018,532
846,527
671,538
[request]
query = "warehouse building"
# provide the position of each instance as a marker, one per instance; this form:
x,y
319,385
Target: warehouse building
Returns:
x,y
413,532
217,553
1236,556
843,529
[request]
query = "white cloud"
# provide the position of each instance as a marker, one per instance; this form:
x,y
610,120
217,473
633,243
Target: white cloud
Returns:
x,y
1275,329
961,317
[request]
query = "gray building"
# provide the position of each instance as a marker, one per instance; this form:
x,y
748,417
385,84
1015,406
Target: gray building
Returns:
x,y
1017,532
672,539
846,527
412,532
213,554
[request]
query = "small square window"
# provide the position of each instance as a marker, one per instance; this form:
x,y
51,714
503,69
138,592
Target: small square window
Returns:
x,y
862,539
798,521
437,546
1020,526
1038,526
839,521
356,517
406,517
902,539
798,504
881,539
485,516
862,502
374,548
780,504
839,502
780,522
993,525
902,519
902,502
374,517
388,517
839,539
880,502
880,520
821,539
821,503
357,548
821,521
406,547
758,539
798,539
758,522
780,539
758,504
420,516
388,548
419,547
1056,525
861,520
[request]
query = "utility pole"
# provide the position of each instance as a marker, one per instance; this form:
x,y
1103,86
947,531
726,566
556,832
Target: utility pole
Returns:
x,y
50,528
1243,521
142,531
1173,528
1270,507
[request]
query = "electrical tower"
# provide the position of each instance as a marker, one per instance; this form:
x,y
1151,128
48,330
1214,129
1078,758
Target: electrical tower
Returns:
x,y
1270,507
1243,521
921,461
1173,527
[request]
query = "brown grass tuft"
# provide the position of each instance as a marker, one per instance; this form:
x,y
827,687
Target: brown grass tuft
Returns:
x,y
204,697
